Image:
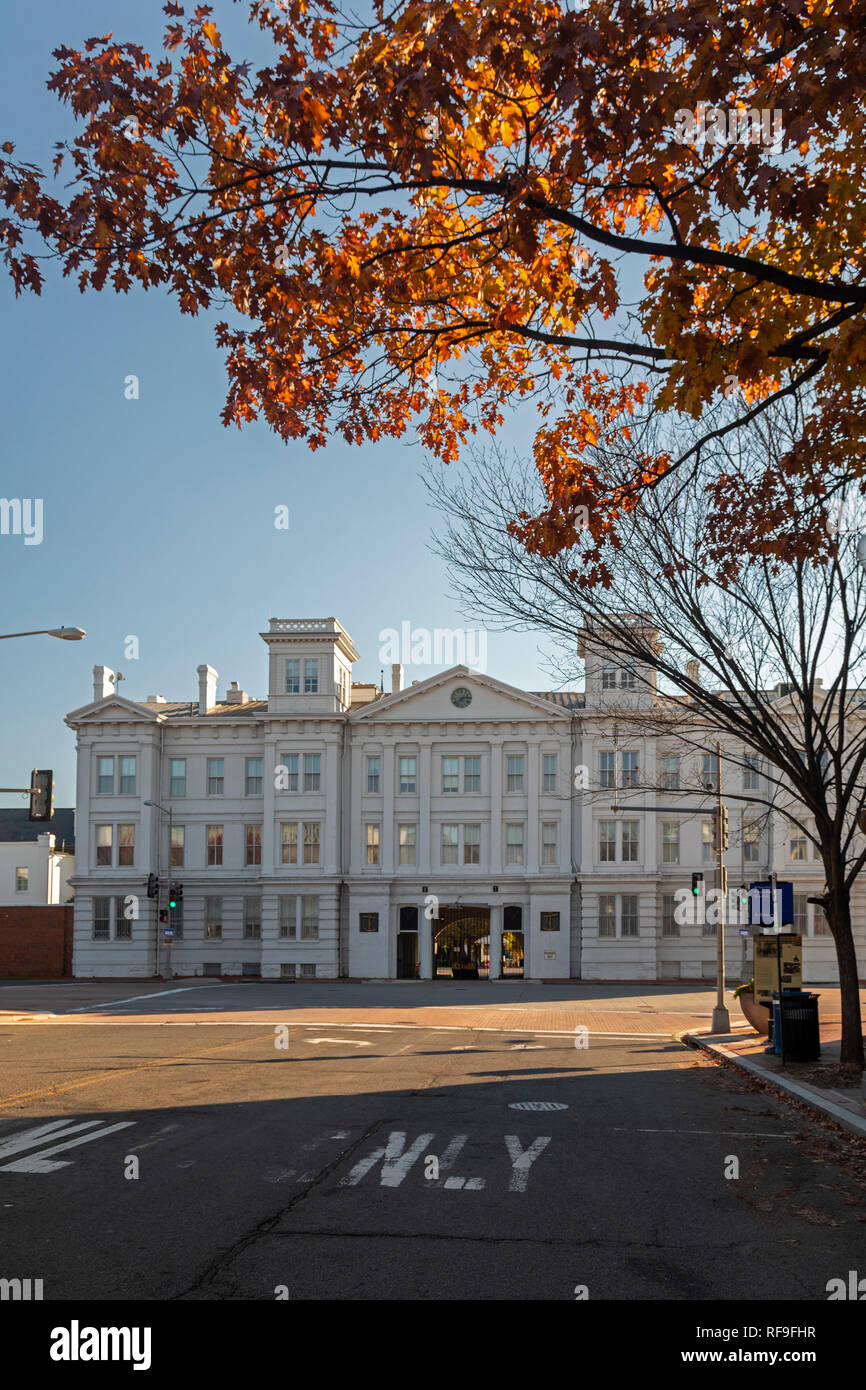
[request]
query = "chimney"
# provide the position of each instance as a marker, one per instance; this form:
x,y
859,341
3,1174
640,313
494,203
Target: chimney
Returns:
x,y
236,696
693,671
396,678
103,682
207,684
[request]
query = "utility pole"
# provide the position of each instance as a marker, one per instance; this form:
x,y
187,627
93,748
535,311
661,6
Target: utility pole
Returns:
x,y
166,971
721,1018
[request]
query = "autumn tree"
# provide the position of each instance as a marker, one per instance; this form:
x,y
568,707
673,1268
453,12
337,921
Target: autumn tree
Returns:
x,y
598,209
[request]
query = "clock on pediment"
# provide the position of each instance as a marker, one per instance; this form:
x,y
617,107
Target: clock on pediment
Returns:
x,y
461,697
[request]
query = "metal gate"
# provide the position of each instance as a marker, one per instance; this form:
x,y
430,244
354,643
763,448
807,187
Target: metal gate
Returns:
x,y
461,943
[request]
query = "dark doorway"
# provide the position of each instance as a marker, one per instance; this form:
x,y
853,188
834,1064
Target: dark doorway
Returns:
x,y
461,944
512,943
407,944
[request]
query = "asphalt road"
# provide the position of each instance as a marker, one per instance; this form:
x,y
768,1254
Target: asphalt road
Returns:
x,y
211,1162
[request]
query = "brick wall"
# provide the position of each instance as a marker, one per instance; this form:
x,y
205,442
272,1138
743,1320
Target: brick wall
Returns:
x,y
35,942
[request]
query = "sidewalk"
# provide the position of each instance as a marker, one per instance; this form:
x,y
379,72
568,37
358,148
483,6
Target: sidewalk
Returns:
x,y
813,1083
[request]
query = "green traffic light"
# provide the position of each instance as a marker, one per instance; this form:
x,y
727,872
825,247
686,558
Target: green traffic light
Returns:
x,y
172,902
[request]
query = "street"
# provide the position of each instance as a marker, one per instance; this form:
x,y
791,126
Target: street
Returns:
x,y
213,1146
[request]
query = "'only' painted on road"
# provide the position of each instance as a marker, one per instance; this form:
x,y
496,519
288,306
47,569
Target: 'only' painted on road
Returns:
x,y
397,1160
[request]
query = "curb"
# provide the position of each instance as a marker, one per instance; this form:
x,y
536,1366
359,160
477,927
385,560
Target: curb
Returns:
x,y
781,1083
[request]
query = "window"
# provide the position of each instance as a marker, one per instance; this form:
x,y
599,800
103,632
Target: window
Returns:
x,y
372,833
670,778
514,843
710,772
801,914
252,919
549,854
628,915
122,923
607,841
821,925
126,845
670,925
104,836
408,919
627,678
127,776
751,771
215,776
288,918
309,917
101,919
751,843
472,774
175,919
550,921
177,777
290,775
407,775
607,769
22,879
312,831
608,675
448,844
670,842
708,853
406,840
293,677
176,846
253,844
311,677
254,777
368,921
105,775
450,775
628,770
289,842
630,836
548,772
373,773
472,844
287,970
514,774
213,918
798,844
607,914
214,844
312,772
308,972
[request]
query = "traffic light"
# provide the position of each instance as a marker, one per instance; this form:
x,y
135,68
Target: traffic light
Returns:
x,y
163,915
152,886
697,884
724,827
178,892
172,899
41,792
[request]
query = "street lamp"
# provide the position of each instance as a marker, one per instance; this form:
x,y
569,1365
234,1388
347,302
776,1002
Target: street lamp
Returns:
x,y
69,634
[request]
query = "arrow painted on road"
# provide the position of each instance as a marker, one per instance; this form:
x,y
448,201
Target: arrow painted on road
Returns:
x,y
54,1129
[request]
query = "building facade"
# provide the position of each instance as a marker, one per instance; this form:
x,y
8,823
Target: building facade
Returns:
x,y
456,827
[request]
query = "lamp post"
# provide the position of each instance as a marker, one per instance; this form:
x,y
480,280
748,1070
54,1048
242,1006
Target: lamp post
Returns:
x,y
68,634
166,971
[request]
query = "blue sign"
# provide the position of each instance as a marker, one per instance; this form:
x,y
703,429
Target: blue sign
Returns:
x,y
744,931
168,934
761,904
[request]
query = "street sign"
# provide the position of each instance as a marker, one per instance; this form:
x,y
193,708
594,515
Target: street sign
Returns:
x,y
761,904
771,953
168,934
745,931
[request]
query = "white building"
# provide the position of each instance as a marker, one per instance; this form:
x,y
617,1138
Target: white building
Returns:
x,y
330,830
34,870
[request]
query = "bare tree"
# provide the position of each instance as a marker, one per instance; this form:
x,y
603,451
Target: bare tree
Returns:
x,y
772,658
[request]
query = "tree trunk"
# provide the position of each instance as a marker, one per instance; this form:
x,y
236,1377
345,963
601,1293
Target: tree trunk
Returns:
x,y
839,904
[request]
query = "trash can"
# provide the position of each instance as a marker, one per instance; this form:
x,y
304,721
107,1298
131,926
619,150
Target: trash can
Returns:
x,y
798,1014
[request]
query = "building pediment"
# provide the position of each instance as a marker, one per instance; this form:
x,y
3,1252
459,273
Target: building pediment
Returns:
x,y
114,708
444,697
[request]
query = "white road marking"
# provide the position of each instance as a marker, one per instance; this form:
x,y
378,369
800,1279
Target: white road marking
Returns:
x,y
536,1105
157,994
733,1133
346,1042
527,1047
32,1138
38,1163
396,1160
523,1159
449,1158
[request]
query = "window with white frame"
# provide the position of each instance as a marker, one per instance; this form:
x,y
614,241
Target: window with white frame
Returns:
x,y
472,844
751,771
291,774
288,917
126,768
215,776
670,772
820,925
126,845
372,842
289,842
607,914
710,772
449,838
214,844
608,675
607,841
627,678
408,775
751,842
252,919
102,919
177,777
708,852
312,772
801,914
373,775
797,844
406,843
471,775
607,768
629,915
549,842
105,776
312,835
22,879
293,677
213,918
104,842
670,925
548,772
253,786
628,769
514,773
450,776
309,917
514,842
253,844
311,676
630,841
670,842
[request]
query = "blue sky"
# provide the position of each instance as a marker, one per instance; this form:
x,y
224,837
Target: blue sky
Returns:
x,y
158,522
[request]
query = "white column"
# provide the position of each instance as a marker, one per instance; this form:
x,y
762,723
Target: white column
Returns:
x,y
387,831
426,927
495,942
